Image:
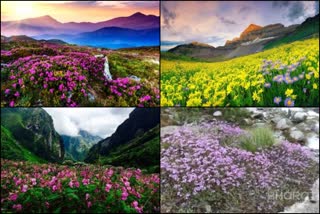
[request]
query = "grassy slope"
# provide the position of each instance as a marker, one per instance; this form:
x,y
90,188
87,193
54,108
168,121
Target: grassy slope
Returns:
x,y
308,30
142,152
10,149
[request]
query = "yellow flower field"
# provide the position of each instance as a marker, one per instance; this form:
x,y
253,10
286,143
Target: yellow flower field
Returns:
x,y
284,76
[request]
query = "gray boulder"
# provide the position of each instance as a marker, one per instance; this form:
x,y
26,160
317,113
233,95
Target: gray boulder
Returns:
x,y
299,117
283,124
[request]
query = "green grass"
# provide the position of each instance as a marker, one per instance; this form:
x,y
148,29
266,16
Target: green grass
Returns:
x,y
10,149
142,152
124,65
305,31
258,138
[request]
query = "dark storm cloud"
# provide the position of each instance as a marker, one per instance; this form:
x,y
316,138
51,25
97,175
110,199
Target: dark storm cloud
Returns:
x,y
226,21
244,9
296,10
168,16
280,4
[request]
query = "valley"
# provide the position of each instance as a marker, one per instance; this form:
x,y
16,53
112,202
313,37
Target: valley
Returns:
x,y
40,167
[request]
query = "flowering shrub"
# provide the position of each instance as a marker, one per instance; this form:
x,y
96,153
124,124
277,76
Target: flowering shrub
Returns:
x,y
60,75
54,188
284,76
195,163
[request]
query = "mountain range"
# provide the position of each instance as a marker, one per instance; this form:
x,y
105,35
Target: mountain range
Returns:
x,y
132,31
78,147
28,134
135,143
253,39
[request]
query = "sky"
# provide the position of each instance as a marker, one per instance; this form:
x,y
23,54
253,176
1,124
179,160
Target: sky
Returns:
x,y
215,22
76,11
97,121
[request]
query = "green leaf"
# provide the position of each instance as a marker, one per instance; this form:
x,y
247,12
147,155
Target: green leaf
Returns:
x,y
57,210
74,196
118,193
91,187
53,197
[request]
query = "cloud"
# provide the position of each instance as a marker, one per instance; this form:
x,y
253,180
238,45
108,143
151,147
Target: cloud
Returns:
x,y
296,10
167,15
226,21
97,121
316,6
244,9
280,4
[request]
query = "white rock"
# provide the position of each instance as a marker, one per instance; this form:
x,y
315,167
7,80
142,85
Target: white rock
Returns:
x,y
313,142
283,124
217,114
299,117
297,135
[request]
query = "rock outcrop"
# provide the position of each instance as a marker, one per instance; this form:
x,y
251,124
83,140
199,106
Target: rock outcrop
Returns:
x,y
139,122
33,129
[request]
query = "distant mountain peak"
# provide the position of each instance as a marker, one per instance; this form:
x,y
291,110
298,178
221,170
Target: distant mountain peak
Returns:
x,y
138,14
251,27
195,43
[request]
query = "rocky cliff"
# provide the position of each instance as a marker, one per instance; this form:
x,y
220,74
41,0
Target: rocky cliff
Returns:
x,y
32,128
253,32
131,133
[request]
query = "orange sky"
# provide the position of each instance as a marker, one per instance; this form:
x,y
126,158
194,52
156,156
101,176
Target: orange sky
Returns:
x,y
67,11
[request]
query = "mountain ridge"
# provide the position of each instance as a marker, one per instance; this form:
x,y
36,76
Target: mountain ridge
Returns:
x,y
252,39
33,129
48,25
140,121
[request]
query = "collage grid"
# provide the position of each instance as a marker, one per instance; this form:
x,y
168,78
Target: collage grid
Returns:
x,y
160,106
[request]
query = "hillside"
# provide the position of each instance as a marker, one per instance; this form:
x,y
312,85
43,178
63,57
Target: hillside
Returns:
x,y
252,40
29,134
132,134
309,28
77,147
12,150
269,78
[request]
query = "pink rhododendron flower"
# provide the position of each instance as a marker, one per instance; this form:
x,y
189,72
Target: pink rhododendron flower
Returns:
x,y
124,195
17,94
24,188
89,204
108,187
51,90
13,197
18,207
87,196
11,103
20,81
85,181
32,78
7,91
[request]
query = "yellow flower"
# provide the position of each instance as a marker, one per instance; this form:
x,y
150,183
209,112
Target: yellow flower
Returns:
x,y
255,96
289,92
308,76
315,86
